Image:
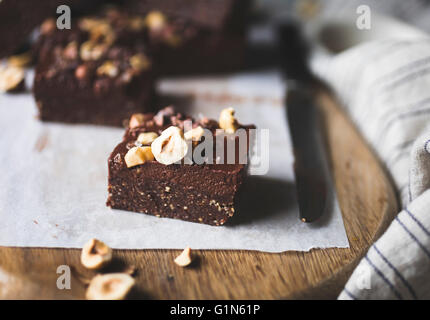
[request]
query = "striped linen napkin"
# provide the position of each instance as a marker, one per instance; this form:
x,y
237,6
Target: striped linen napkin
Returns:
x,y
385,88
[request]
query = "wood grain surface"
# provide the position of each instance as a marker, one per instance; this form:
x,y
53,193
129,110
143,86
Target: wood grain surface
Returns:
x,y
368,204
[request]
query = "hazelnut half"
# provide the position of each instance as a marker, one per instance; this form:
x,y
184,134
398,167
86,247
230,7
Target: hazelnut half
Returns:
x,y
147,138
227,121
11,78
95,254
138,155
170,146
110,286
185,258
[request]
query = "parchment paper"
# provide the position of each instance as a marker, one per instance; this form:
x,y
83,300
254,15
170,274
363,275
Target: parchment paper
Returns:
x,y
53,179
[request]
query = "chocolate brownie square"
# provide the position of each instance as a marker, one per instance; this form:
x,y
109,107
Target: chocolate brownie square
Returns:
x,y
151,170
98,72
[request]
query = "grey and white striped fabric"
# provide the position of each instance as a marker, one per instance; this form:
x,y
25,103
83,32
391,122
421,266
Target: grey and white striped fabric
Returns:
x,y
385,87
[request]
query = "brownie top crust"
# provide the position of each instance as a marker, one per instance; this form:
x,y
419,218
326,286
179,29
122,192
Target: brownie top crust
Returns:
x,y
167,118
214,15
105,50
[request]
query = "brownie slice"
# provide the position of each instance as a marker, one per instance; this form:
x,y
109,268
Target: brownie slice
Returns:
x,y
204,192
99,72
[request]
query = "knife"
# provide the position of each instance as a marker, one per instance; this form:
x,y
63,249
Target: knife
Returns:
x,y
311,169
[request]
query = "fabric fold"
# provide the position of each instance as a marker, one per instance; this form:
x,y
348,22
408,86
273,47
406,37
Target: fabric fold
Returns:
x,y
384,86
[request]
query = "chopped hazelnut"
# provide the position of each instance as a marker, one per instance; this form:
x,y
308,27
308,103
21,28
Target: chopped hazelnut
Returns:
x,y
194,134
139,62
136,23
47,26
227,121
102,32
20,60
91,51
108,68
184,259
95,254
11,78
170,146
110,286
147,138
138,155
71,50
81,72
88,23
136,120
155,20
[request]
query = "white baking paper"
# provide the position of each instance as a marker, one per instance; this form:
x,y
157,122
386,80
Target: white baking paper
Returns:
x,y
53,179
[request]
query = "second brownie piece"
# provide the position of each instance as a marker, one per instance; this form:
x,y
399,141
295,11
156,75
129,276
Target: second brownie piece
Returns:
x,y
98,72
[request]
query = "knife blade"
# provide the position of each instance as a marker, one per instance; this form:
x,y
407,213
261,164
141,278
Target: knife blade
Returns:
x,y
313,179
310,158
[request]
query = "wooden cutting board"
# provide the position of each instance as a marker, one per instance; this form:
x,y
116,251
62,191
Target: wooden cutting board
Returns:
x,y
368,203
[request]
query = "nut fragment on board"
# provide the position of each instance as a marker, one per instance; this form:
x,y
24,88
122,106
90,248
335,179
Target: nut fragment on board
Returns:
x,y
185,258
227,121
138,155
170,146
11,78
95,254
110,286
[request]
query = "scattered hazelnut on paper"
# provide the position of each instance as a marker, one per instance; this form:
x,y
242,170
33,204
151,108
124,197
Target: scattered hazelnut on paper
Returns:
x,y
108,68
155,20
11,78
184,259
227,121
20,60
147,138
139,62
138,155
95,254
110,286
194,134
170,146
